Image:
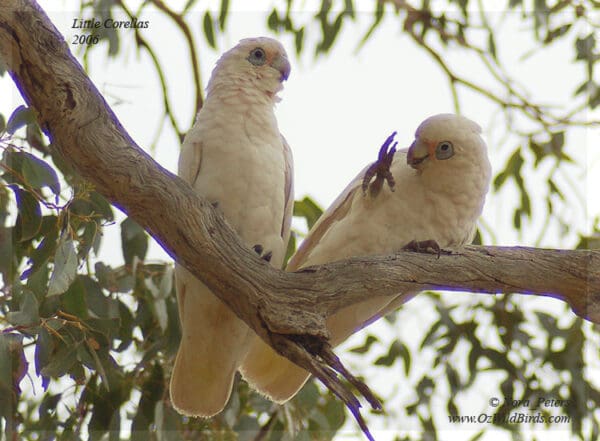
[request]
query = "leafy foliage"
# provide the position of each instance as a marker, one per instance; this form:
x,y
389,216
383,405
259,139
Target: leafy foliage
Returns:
x,y
98,340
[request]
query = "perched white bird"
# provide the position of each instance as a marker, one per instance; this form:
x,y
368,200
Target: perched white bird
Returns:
x,y
440,187
235,157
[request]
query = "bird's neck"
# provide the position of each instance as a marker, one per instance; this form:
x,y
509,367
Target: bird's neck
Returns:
x,y
239,90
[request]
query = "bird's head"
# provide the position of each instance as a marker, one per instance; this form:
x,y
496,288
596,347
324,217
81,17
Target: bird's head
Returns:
x,y
448,149
255,65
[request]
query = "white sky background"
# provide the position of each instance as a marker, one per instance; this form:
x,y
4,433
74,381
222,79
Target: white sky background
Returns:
x,y
336,110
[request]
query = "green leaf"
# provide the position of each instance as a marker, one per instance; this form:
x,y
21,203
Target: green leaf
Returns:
x,y
134,241
101,305
396,349
87,355
46,248
61,361
453,380
73,301
365,346
589,242
291,248
38,282
335,413
20,117
379,10
223,14
557,33
101,206
2,123
29,219
47,412
273,21
513,167
151,393
187,6
44,347
8,260
126,325
37,173
246,427
12,164
114,280
107,328
65,266
165,291
209,31
404,353
13,368
584,47
309,210
594,100
6,382
34,137
28,313
5,200
492,46
88,239
433,334
299,40
308,397
110,34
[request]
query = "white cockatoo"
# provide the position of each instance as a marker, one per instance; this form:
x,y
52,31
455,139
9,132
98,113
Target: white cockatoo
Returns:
x,y
235,157
439,191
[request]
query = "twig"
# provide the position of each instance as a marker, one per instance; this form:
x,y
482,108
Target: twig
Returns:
x,y
178,19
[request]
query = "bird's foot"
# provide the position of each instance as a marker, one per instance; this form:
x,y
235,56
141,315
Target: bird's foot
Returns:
x,y
258,248
425,246
381,169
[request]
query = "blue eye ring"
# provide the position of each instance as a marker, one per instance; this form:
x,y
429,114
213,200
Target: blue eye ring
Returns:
x,y
257,56
444,150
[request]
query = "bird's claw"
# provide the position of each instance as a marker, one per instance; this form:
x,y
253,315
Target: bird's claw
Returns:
x,y
258,249
424,246
381,169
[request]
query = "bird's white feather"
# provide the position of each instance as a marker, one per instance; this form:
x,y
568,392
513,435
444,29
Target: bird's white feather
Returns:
x,y
233,156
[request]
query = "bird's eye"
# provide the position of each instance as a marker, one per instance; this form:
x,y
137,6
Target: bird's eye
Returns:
x,y
444,150
257,56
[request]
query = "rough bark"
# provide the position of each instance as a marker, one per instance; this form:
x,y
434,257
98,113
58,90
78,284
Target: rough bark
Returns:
x,y
287,310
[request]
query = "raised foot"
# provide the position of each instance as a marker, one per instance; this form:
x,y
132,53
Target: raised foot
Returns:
x,y
381,169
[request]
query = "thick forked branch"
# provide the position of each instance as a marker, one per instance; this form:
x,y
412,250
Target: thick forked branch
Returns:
x,y
287,310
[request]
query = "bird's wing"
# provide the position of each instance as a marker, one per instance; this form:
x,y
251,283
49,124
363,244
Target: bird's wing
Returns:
x,y
289,192
190,161
199,316
336,211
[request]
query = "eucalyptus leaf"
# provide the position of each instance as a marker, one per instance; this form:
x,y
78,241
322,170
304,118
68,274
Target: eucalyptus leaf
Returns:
x,y
209,30
65,266
37,173
28,313
20,117
134,241
29,218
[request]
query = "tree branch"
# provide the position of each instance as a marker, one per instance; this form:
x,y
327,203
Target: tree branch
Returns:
x,y
287,310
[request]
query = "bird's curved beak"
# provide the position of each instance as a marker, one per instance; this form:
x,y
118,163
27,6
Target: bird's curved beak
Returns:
x,y
417,153
281,63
